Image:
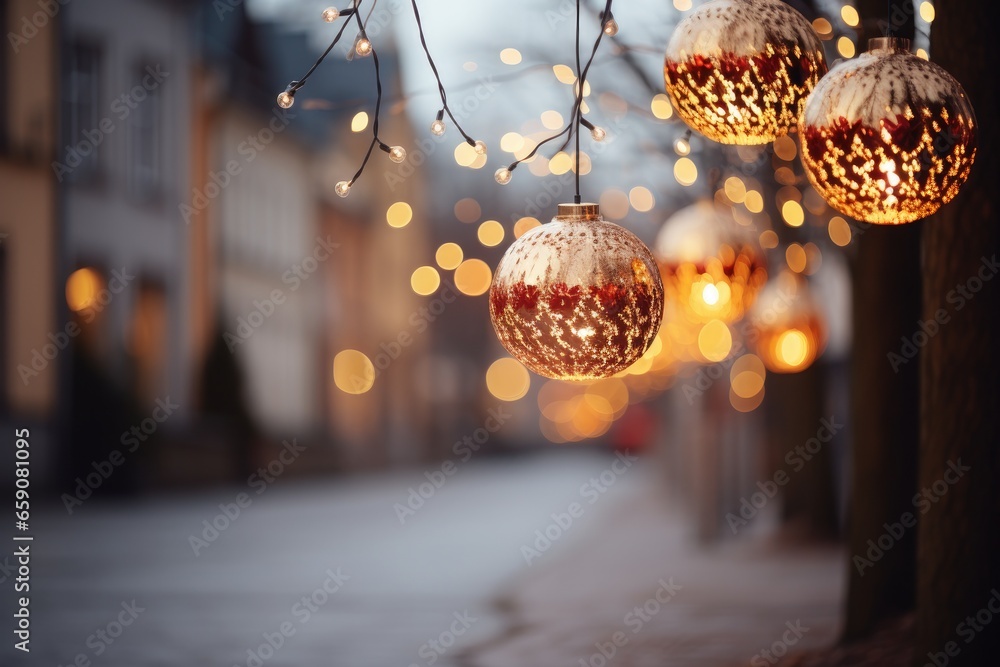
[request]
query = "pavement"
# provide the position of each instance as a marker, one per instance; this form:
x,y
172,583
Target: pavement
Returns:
x,y
327,573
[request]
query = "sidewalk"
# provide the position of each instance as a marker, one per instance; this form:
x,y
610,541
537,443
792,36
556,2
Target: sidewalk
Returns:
x,y
696,608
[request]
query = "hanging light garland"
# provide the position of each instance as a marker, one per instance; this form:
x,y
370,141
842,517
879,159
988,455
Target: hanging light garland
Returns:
x,y
578,298
363,47
888,137
738,71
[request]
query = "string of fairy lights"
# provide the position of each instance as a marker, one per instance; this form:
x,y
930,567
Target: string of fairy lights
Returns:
x,y
717,299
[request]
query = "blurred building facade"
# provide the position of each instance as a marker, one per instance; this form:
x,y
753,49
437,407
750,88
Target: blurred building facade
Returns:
x,y
31,339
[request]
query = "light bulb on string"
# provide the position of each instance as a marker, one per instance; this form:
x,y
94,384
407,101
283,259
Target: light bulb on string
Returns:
x,y
502,175
343,188
331,14
397,154
598,133
363,46
611,27
480,148
286,99
682,146
738,71
888,137
437,128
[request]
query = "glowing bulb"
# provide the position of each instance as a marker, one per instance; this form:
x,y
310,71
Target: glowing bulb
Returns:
x,y
331,14
480,148
397,154
710,294
611,27
363,46
502,176
342,189
598,134
286,100
437,128
682,147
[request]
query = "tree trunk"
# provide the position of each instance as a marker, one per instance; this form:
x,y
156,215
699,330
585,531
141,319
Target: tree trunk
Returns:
x,y
885,429
809,507
959,536
884,404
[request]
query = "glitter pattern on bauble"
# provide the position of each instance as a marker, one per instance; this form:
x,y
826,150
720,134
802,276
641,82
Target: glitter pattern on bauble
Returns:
x,y
578,298
739,71
888,137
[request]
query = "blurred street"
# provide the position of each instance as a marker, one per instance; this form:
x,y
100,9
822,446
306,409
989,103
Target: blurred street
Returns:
x,y
122,585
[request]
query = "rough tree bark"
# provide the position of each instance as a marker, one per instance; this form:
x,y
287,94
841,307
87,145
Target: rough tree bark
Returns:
x,y
884,406
959,538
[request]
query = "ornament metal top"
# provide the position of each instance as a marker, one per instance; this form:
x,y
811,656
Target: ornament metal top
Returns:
x,y
888,137
738,71
578,298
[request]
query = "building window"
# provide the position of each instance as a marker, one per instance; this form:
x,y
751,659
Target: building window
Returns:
x,y
82,115
144,138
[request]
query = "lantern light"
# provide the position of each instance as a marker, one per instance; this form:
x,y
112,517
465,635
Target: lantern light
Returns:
x,y
790,332
712,268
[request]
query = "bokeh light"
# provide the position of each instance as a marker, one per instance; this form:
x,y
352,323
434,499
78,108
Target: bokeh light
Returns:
x,y
353,372
425,280
82,288
473,277
399,214
490,233
449,255
508,379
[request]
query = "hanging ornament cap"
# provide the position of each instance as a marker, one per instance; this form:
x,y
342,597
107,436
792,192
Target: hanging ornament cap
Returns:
x,y
889,44
578,212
